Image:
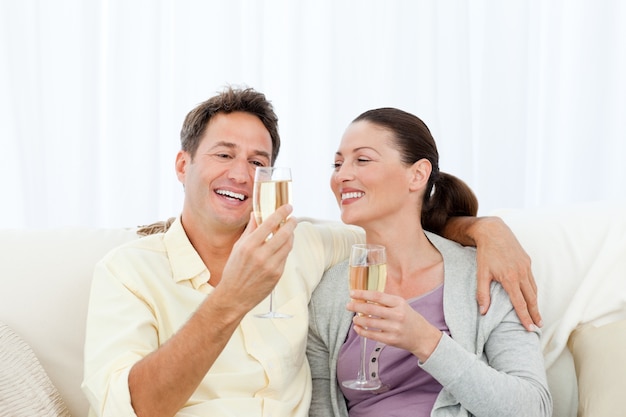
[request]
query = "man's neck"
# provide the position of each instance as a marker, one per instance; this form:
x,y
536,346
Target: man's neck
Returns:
x,y
214,246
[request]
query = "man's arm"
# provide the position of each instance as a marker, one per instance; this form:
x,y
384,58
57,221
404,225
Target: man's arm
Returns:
x,y
500,257
161,383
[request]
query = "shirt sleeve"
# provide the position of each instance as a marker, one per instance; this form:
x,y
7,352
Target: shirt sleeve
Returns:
x,y
121,329
319,360
327,319
337,240
507,379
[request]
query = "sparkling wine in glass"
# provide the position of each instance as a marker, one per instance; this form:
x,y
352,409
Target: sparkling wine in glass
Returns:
x,y
368,271
272,189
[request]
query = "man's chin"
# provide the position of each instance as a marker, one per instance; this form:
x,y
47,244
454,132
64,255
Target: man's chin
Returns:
x,y
236,222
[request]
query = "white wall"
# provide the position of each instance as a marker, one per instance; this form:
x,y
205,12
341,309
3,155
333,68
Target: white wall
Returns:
x,y
526,99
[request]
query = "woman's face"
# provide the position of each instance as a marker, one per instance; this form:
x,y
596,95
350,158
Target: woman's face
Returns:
x,y
370,182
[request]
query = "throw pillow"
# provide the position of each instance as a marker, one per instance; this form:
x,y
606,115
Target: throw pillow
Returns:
x,y
600,361
25,388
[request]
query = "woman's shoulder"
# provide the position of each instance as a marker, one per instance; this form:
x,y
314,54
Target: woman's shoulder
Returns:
x,y
452,251
327,307
334,282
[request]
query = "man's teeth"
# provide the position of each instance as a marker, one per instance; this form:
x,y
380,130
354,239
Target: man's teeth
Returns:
x,y
355,194
231,194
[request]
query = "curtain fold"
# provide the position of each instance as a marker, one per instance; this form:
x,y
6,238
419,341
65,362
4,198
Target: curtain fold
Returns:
x,y
526,99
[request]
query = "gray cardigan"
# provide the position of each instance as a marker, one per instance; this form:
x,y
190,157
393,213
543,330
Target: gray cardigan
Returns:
x,y
491,366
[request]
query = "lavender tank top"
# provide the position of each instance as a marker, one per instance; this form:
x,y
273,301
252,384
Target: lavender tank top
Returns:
x,y
407,389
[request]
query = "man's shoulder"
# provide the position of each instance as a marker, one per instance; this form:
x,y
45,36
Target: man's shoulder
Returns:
x,y
327,229
152,245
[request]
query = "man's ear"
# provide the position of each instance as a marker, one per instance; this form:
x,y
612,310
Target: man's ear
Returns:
x,y
420,173
182,160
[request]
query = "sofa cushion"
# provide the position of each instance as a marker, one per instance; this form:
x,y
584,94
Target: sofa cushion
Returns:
x,y
600,360
578,261
44,292
25,388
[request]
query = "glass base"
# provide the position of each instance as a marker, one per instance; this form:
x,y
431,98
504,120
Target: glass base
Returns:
x,y
362,385
273,315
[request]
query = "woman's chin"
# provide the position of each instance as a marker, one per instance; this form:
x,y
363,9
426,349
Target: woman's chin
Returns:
x,y
349,219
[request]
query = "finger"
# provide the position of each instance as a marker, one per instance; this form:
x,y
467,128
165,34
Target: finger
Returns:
x,y
377,297
531,278
368,333
272,223
519,304
365,309
251,226
276,250
370,323
483,290
282,236
529,291
276,219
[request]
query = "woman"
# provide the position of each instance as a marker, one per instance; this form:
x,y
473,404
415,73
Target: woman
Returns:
x,y
432,350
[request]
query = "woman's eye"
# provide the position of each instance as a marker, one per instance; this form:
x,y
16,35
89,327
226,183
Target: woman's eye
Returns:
x,y
336,165
363,160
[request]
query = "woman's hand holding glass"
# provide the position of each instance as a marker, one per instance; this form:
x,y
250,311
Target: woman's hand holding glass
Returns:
x,y
368,270
389,319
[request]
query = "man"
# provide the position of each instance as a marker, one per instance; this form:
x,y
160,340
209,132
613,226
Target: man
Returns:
x,y
171,327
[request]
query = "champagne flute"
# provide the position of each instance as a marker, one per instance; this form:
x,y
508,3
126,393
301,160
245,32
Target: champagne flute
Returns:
x,y
272,189
368,271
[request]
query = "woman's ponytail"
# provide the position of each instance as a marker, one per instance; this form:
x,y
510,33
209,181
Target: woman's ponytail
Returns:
x,y
449,197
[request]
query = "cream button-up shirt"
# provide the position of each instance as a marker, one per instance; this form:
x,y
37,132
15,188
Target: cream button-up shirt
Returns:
x,y
144,291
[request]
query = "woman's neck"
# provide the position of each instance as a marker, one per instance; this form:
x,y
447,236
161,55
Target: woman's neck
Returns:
x,y
414,265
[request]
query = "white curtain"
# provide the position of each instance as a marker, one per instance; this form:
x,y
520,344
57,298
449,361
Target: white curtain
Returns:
x,y
526,98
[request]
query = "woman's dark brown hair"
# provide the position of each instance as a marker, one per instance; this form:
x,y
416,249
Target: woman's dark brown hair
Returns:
x,y
446,195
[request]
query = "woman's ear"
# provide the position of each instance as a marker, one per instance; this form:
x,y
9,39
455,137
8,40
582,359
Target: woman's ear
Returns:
x,y
420,173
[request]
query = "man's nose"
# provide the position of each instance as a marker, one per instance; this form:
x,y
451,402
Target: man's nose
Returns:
x,y
241,171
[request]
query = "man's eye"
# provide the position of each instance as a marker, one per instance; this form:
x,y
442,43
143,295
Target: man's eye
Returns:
x,y
258,163
223,155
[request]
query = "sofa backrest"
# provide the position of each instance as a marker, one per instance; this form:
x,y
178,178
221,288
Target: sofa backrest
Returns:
x,y
578,255
45,278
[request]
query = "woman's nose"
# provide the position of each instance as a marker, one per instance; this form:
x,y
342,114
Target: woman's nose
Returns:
x,y
342,173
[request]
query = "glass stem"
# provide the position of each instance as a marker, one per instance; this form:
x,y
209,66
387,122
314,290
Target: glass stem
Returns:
x,y
272,301
361,375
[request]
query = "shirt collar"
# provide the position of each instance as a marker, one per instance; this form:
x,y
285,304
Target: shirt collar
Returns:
x,y
185,262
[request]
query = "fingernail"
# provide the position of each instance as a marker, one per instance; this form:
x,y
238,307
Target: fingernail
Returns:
x,y
482,309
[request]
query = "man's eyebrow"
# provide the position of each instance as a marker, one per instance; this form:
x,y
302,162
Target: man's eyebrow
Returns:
x,y
263,154
225,144
232,145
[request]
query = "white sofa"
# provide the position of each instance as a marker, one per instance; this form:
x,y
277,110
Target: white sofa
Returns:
x,y
579,262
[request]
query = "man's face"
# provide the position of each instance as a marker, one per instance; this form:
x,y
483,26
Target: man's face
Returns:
x,y
219,181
